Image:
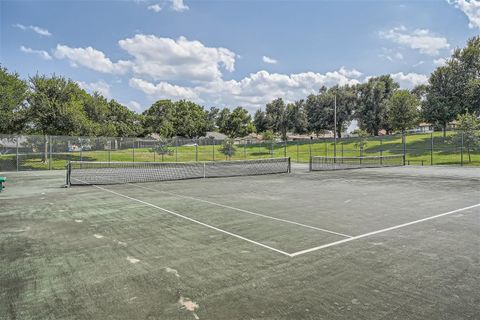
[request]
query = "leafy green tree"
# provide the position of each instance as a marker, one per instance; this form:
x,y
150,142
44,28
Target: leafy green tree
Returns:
x,y
346,97
403,110
181,118
468,133
268,135
13,94
228,148
212,117
298,117
236,123
163,148
278,118
260,121
126,122
439,108
223,120
319,114
373,96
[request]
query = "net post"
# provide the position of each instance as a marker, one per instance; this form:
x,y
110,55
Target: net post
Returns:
x,y
289,169
461,151
69,171
204,169
431,149
404,140
310,163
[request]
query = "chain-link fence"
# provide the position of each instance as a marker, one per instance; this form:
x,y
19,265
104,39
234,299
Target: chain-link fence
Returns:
x,y
22,152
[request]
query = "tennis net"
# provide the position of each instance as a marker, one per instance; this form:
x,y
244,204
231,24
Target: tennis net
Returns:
x,y
93,172
320,163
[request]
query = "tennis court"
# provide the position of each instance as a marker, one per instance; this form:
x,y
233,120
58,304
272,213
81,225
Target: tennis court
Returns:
x,y
372,243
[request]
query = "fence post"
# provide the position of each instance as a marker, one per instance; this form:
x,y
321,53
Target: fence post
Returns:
x,y
244,149
285,149
404,141
50,152
176,149
310,148
298,160
213,149
196,149
461,152
133,151
431,149
17,152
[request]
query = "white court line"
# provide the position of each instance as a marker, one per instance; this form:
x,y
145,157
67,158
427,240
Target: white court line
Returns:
x,y
247,211
381,231
195,221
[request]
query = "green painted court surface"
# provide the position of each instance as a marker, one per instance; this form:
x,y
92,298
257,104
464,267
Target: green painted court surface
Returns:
x,y
389,243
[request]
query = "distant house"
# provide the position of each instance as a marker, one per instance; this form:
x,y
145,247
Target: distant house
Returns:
x,y
215,135
249,139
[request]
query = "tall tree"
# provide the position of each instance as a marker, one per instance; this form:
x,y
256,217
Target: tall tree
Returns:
x,y
319,114
260,121
298,117
346,97
373,97
439,107
236,123
403,110
13,94
212,116
159,119
277,117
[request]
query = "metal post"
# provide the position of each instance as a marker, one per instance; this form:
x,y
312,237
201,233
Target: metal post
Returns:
x,y
285,149
461,152
404,147
310,147
244,149
17,153
196,149
176,149
335,130
298,160
213,149
431,149
381,151
50,151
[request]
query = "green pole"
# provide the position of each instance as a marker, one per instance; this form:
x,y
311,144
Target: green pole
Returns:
x,y
431,149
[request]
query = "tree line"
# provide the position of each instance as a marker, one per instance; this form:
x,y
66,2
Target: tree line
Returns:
x,y
54,105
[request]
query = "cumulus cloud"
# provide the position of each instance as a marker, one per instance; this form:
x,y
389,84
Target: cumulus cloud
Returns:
x,y
164,90
440,62
269,60
420,39
471,8
155,7
41,53
92,59
178,5
409,80
38,30
253,91
134,106
100,86
169,59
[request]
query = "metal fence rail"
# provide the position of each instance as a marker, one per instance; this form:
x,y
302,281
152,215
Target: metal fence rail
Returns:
x,y
37,152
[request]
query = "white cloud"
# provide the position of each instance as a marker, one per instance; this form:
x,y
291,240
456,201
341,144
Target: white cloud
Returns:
x,y
253,91
419,63
169,59
399,56
269,60
440,62
41,53
92,59
155,7
471,8
134,106
40,31
420,39
100,86
409,80
164,90
178,5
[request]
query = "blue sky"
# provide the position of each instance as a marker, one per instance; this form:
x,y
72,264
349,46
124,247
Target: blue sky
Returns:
x,y
230,53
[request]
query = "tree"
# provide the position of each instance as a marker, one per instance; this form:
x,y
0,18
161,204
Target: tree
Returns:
x,y
237,123
318,114
277,117
346,97
298,117
212,116
467,134
223,120
163,148
180,118
228,148
260,121
268,135
13,94
125,122
439,107
373,97
403,110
